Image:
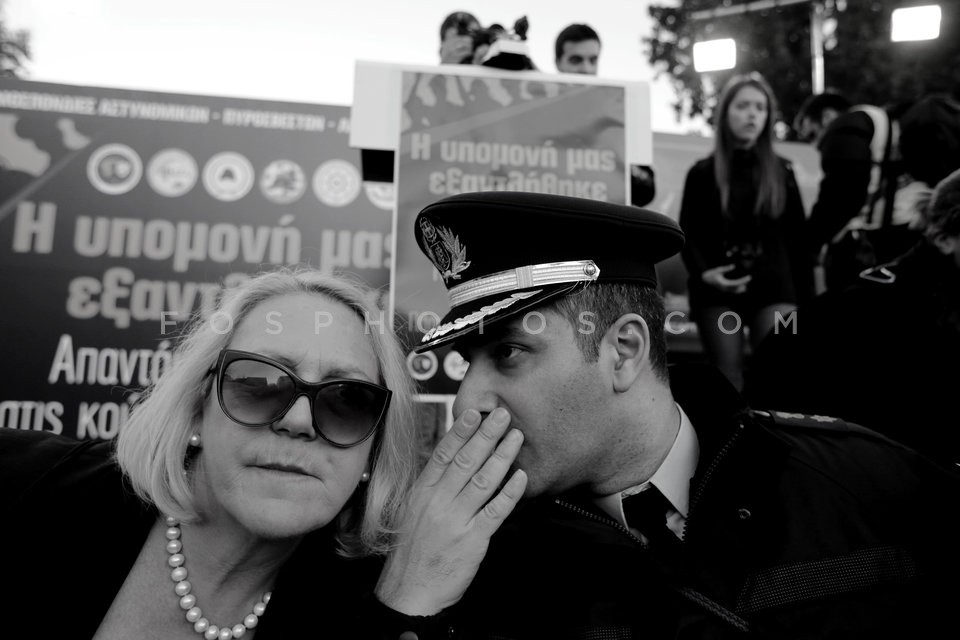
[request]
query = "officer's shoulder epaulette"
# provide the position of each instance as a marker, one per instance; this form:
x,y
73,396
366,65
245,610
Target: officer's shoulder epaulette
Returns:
x,y
787,423
802,420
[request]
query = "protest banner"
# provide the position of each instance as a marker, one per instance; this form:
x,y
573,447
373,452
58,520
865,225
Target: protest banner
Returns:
x,y
463,134
468,129
123,212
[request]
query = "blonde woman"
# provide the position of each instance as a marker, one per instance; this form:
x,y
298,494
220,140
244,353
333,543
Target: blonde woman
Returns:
x,y
245,491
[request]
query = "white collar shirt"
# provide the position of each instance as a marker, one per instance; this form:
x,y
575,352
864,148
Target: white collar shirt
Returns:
x,y
672,478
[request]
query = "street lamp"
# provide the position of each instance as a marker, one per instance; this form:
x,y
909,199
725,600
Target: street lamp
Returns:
x,y
715,55
908,23
915,23
816,30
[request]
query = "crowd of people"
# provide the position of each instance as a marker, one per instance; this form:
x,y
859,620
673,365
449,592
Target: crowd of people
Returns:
x,y
269,485
756,260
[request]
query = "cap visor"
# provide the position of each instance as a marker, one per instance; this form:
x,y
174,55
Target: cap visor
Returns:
x,y
482,322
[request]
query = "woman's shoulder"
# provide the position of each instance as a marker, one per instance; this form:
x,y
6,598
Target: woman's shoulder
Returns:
x,y
321,549
702,169
344,584
29,459
703,164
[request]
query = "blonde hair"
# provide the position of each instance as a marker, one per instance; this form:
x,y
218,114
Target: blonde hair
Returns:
x,y
152,445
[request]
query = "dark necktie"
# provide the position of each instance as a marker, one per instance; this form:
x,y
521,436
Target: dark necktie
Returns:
x,y
647,511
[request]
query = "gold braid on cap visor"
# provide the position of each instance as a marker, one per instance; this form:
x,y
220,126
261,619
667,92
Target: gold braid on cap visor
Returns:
x,y
509,281
536,275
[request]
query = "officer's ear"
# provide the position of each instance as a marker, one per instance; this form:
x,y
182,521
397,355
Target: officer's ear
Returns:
x,y
627,343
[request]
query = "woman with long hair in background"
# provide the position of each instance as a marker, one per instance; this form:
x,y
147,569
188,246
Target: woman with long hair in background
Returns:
x,y
250,492
745,225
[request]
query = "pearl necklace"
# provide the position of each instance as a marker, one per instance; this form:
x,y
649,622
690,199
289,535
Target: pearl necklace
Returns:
x,y
188,601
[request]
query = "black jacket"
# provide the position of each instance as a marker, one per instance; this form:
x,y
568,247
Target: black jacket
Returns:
x,y
882,353
846,161
798,527
72,529
782,271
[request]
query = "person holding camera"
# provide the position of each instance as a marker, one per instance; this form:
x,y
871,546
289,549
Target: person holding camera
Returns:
x,y
456,38
745,228
464,41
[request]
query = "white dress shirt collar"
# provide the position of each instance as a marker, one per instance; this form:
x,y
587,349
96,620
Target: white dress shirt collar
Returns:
x,y
672,478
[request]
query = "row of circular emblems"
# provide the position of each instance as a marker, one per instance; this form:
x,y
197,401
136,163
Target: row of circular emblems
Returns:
x,y
423,366
115,169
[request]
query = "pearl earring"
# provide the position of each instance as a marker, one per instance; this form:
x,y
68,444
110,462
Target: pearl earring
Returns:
x,y
194,441
365,476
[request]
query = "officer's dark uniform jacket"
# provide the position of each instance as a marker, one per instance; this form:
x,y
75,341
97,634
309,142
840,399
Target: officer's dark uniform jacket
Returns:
x,y
798,527
882,353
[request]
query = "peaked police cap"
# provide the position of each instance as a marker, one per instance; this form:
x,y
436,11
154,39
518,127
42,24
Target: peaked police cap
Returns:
x,y
501,253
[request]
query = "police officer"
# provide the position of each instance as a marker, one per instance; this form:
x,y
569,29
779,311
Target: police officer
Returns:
x,y
654,502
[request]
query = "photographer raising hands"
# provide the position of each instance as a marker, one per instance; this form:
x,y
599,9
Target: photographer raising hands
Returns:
x,y
456,39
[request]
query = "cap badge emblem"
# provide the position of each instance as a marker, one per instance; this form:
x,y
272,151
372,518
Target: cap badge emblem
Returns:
x,y
445,250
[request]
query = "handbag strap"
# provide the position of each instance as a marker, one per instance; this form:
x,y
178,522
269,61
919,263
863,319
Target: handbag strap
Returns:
x,y
883,175
890,173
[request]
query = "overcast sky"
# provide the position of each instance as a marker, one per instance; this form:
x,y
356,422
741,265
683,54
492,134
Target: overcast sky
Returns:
x,y
297,50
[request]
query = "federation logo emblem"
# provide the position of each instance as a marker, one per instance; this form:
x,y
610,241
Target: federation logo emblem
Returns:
x,y
114,169
336,183
283,182
381,194
455,366
446,252
228,176
172,172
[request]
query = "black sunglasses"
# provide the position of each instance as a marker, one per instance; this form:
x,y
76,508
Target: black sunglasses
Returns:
x,y
256,391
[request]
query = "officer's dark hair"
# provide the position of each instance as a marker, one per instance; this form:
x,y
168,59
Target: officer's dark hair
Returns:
x,y
455,19
608,301
814,106
573,33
